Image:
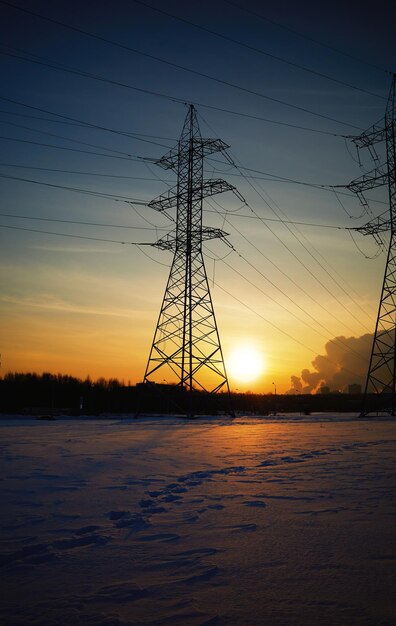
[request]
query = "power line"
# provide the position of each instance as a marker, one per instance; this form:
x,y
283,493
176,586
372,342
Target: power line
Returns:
x,y
290,279
89,124
309,242
146,254
135,135
278,328
45,232
299,34
83,143
289,298
266,119
115,197
180,101
232,162
267,219
350,288
333,269
307,250
258,50
79,142
276,178
81,124
48,145
79,172
160,60
380,247
51,219
77,122
287,276
143,217
279,221
139,160
100,175
313,257
139,245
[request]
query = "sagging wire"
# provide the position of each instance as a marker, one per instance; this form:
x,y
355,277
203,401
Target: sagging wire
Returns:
x,y
380,247
152,259
352,217
357,159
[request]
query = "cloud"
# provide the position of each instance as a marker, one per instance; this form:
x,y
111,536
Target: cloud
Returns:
x,y
345,362
52,303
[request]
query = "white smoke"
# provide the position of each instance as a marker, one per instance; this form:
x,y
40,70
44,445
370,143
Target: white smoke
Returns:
x,y
345,362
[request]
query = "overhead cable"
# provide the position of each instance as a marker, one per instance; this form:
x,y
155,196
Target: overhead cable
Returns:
x,y
180,101
258,50
164,61
49,145
84,143
308,38
45,232
289,298
298,285
79,122
109,196
271,323
78,172
231,160
304,246
52,219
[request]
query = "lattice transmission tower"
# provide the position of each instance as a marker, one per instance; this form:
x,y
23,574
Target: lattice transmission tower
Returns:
x,y
381,376
186,348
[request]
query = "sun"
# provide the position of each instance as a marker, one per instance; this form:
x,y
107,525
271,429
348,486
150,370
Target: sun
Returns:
x,y
245,364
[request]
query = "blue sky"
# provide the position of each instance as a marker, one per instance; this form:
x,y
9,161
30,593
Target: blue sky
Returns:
x,y
89,307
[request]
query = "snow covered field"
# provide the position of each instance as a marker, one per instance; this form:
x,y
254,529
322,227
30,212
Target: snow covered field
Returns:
x,y
210,522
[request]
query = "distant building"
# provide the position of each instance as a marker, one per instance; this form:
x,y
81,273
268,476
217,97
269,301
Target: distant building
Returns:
x,y
355,388
324,390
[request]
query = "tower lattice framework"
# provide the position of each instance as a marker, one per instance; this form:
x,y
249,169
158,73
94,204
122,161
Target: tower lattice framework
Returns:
x,y
381,376
186,348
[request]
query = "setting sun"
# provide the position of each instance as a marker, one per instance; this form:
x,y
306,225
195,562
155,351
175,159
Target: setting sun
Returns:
x,y
245,364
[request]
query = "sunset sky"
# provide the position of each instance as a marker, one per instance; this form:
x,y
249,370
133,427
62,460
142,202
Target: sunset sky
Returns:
x,y
82,306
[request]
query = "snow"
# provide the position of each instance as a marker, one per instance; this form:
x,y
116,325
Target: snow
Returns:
x,y
279,521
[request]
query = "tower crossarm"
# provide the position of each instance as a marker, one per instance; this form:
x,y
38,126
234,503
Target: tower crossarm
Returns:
x,y
206,188
373,135
376,178
379,224
212,187
165,201
208,146
170,241
169,160
213,145
213,233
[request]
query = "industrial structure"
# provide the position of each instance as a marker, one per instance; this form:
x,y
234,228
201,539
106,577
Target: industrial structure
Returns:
x,y
186,349
379,394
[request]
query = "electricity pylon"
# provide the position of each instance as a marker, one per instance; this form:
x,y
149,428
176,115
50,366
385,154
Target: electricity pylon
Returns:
x,y
186,347
381,376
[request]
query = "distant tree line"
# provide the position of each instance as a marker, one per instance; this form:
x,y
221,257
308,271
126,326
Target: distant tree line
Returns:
x,y
55,392
58,394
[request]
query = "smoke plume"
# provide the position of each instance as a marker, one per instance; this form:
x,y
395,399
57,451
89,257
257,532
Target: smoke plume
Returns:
x,y
345,362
